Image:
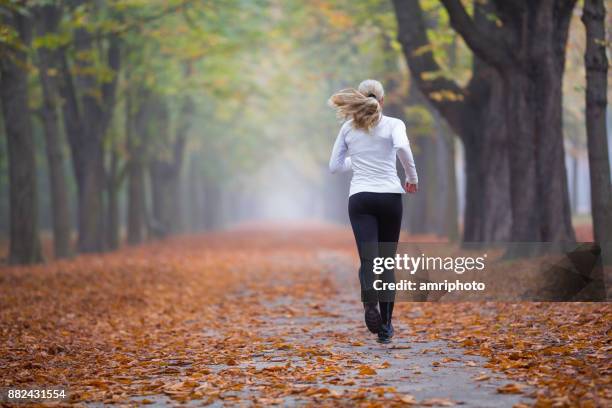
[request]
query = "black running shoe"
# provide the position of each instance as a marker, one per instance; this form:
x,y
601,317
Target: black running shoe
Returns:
x,y
385,333
389,329
372,317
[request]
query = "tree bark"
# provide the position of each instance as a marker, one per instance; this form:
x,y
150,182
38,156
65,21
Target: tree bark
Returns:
x,y
473,113
529,53
136,204
48,20
446,204
526,211
114,180
166,171
552,187
24,239
596,63
86,120
136,133
163,176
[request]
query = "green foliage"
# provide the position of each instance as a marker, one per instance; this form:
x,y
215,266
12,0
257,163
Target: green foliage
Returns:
x,y
9,37
258,71
420,120
52,41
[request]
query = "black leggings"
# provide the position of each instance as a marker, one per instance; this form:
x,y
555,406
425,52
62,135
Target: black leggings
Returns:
x,y
376,219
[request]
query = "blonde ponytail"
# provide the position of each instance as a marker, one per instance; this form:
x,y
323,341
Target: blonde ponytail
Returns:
x,y
363,105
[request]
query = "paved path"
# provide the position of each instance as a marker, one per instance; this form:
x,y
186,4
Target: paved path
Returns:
x,y
413,372
428,370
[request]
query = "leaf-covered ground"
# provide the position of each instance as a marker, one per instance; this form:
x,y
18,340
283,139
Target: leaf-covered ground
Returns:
x,y
270,316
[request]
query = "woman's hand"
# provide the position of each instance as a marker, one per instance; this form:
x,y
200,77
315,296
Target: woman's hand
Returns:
x,y
411,188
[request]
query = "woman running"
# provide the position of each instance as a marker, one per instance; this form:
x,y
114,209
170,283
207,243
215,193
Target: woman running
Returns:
x,y
368,143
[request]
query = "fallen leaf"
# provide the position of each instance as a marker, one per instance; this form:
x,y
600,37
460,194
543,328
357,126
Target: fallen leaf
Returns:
x,y
408,399
512,388
438,402
366,370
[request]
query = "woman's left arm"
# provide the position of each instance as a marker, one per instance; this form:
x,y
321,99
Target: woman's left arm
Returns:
x,y
405,156
404,153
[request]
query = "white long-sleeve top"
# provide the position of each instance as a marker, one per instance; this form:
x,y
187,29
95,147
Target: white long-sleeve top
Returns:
x,y
372,156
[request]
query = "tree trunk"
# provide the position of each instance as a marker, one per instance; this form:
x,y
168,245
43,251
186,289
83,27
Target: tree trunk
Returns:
x,y
549,67
490,141
451,215
136,204
166,172
24,239
473,113
86,119
446,181
163,175
526,211
49,18
92,181
135,125
91,185
113,184
487,211
529,53
472,212
596,63
165,180
541,210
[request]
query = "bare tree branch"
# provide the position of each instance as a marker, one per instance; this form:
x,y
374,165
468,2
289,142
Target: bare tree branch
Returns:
x,y
418,51
493,51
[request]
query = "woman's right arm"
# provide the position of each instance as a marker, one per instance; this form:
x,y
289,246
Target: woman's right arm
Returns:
x,y
338,161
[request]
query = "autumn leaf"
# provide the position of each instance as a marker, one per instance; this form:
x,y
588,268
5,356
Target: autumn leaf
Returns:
x,y
438,402
366,370
407,399
512,388
145,322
